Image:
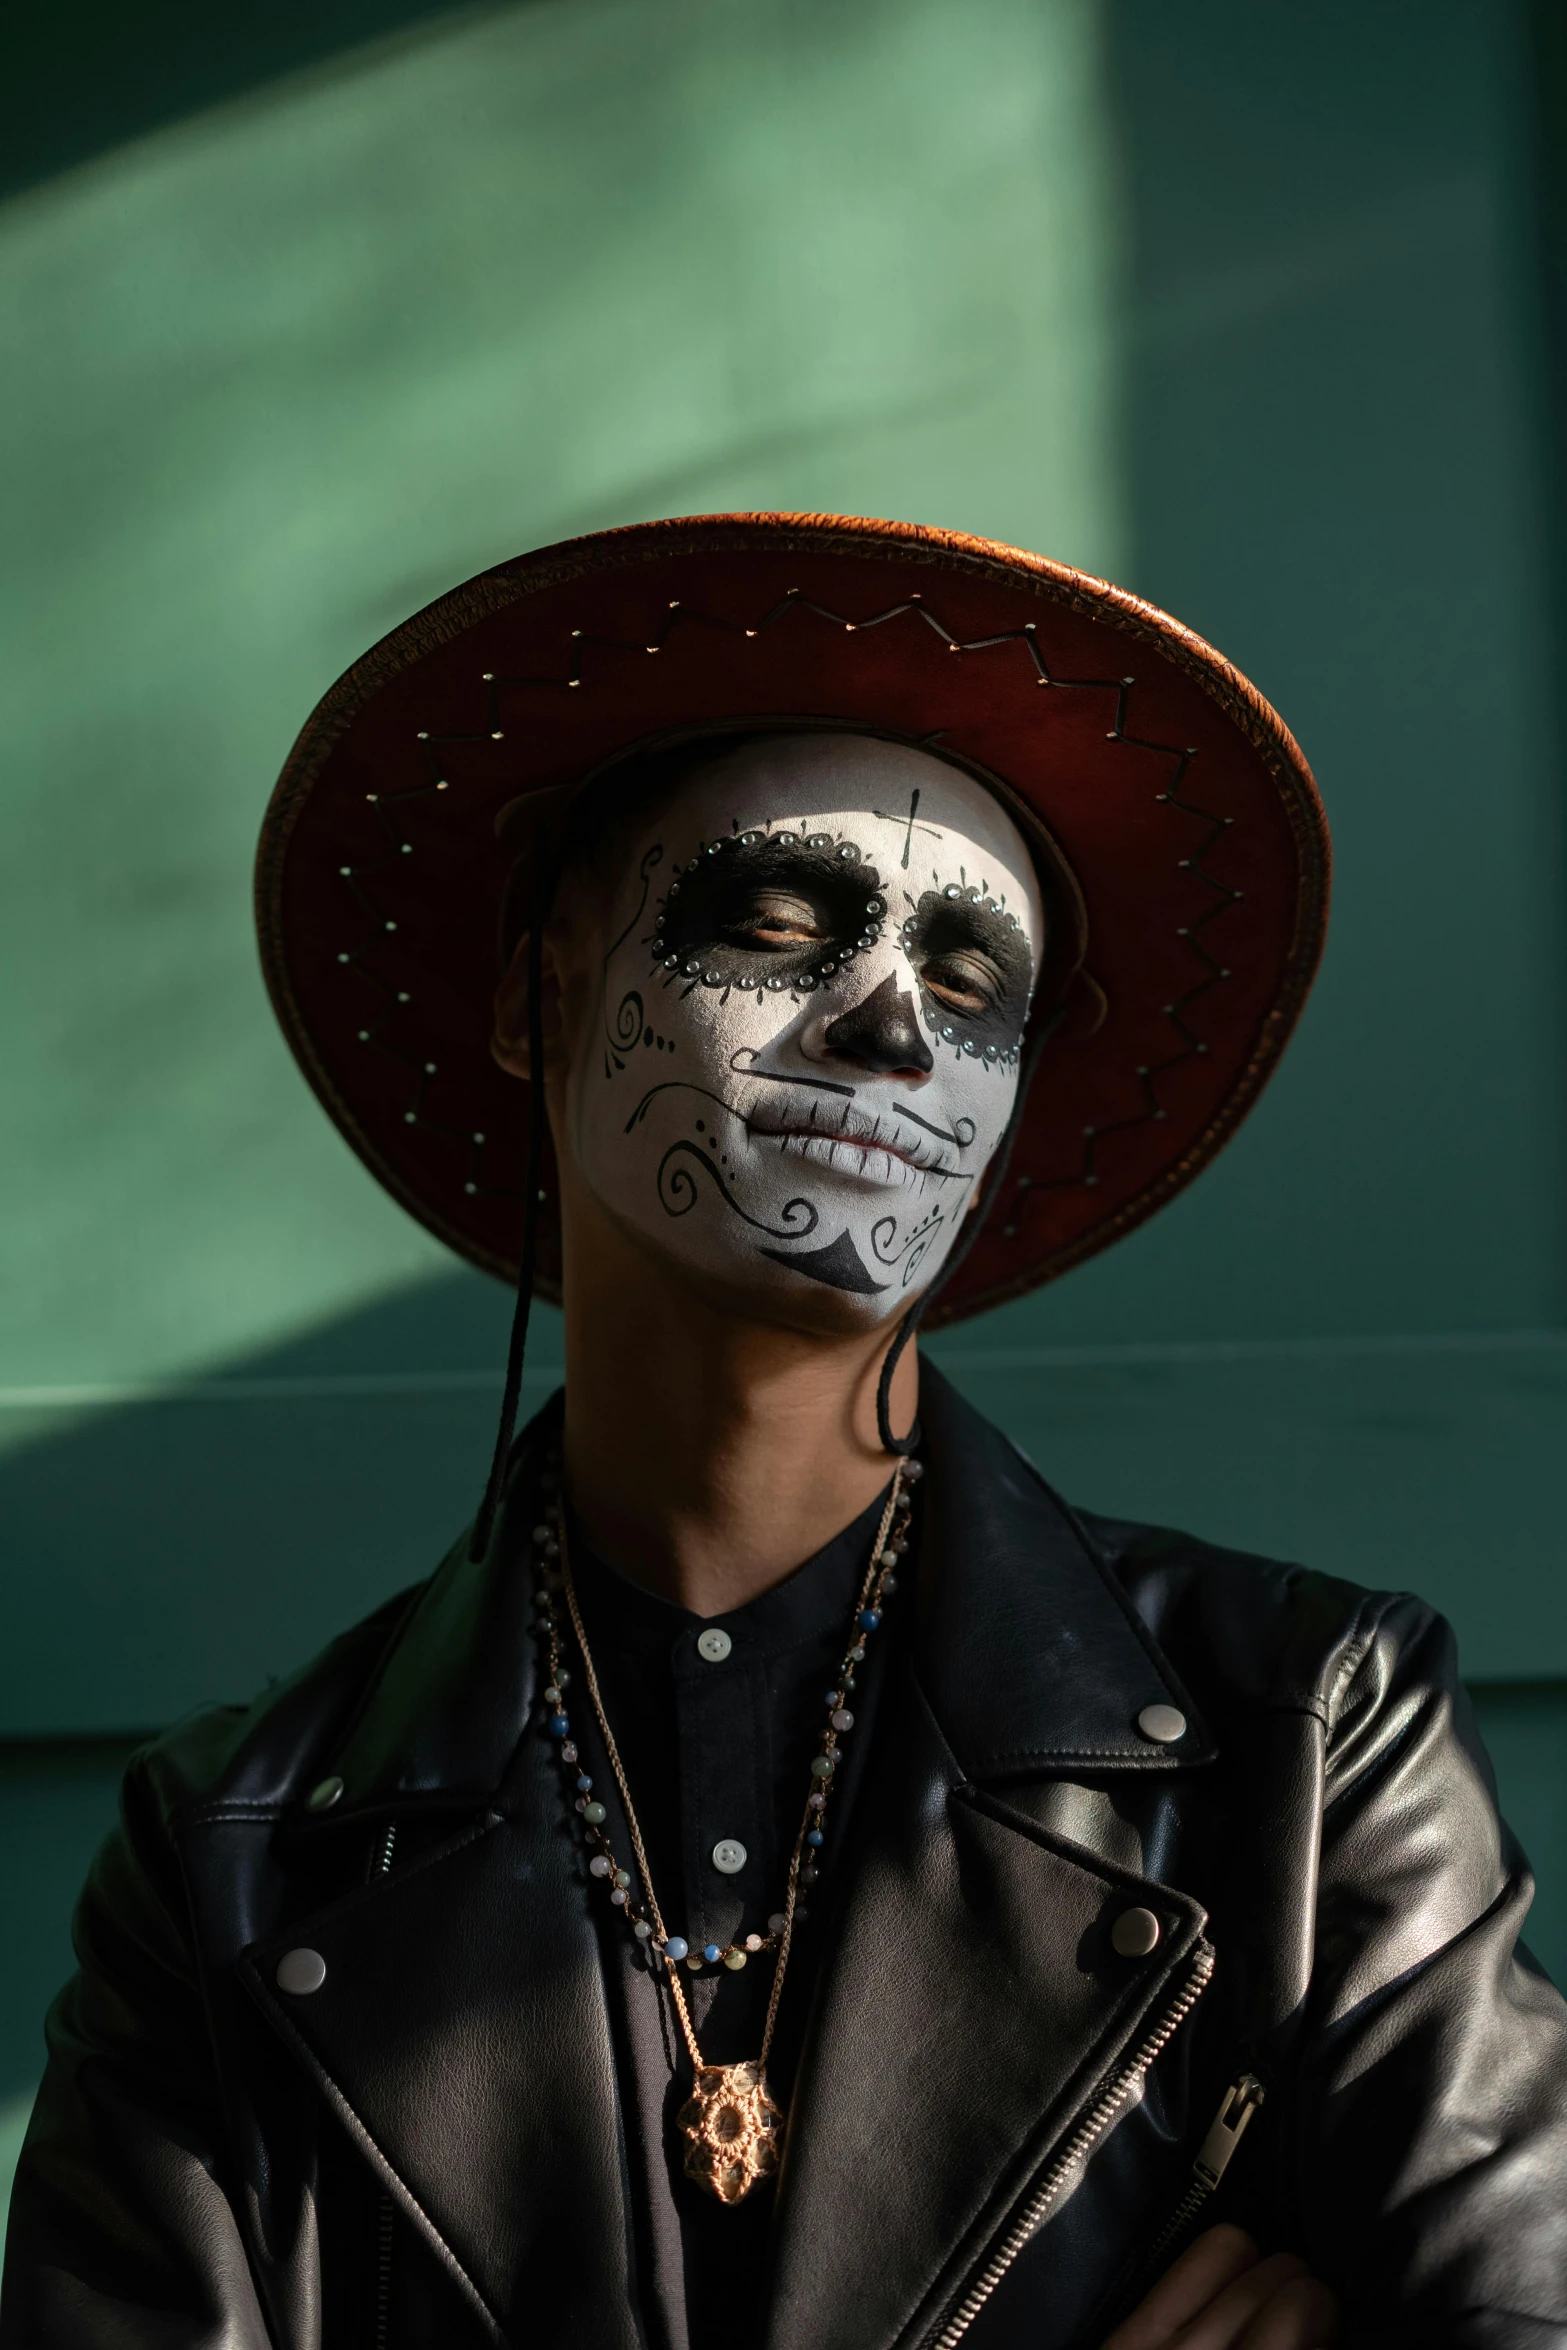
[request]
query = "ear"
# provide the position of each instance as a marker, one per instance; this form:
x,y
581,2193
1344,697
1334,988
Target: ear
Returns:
x,y
509,1044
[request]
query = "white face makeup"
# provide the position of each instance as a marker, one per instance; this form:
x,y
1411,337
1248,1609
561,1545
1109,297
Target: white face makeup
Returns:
x,y
809,1017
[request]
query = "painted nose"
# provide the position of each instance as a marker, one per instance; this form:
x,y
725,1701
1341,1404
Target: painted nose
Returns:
x,y
881,1033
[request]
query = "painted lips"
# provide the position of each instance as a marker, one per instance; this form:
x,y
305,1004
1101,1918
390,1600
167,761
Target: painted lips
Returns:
x,y
849,1140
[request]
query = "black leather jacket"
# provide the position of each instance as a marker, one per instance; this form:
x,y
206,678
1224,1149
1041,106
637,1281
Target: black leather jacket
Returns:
x,y
996,2111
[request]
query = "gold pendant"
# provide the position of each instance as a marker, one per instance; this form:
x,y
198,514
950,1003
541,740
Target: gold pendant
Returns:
x,y
734,2127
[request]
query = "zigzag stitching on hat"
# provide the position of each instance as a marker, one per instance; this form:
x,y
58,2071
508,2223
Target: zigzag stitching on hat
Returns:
x,y
679,615
1192,1045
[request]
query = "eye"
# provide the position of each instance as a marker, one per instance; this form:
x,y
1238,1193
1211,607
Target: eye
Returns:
x,y
963,979
772,919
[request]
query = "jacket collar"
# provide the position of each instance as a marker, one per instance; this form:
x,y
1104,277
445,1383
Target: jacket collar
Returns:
x,y
1029,1653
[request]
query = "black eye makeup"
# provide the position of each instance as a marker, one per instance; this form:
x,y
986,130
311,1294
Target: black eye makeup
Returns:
x,y
974,967
781,912
769,912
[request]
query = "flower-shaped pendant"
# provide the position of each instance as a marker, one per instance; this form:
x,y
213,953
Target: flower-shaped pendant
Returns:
x,y
734,2128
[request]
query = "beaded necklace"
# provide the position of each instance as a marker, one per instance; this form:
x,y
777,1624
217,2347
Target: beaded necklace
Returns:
x,y
732,2124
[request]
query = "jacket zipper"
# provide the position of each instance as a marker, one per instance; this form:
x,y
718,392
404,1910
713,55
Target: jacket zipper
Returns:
x,y
383,2270
385,2214
1229,2125
1079,2146
1240,2101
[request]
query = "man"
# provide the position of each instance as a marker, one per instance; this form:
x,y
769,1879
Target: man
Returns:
x,y
787,1879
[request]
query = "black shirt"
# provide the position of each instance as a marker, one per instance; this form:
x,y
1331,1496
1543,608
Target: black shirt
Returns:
x,y
717,1752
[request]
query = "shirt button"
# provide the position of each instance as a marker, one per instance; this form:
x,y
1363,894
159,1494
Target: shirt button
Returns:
x,y
729,1856
714,1645
1162,1723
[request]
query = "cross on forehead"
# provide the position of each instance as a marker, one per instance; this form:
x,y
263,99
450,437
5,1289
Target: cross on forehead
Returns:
x,y
912,827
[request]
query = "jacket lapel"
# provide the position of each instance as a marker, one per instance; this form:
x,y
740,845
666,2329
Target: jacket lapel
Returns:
x,y
460,2034
975,2004
461,2031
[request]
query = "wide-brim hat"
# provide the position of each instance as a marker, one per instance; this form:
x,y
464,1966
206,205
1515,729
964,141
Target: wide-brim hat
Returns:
x,y
1164,783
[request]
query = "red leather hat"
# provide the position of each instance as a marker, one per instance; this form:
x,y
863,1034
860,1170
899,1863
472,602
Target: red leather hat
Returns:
x,y
1175,796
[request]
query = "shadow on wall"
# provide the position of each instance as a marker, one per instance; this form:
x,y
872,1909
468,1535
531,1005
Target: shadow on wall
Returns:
x,y
178,1550
89,77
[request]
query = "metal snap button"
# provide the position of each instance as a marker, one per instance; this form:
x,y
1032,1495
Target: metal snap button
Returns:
x,y
1134,1934
729,1856
1162,1723
714,1645
299,1972
323,1797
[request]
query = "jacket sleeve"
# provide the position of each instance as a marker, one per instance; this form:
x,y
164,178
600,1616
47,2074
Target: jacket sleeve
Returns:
x,y
121,2235
1433,2118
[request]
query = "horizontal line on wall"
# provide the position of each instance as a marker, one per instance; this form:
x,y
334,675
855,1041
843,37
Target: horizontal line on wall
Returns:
x,y
1196,1354
305,1388
1370,1346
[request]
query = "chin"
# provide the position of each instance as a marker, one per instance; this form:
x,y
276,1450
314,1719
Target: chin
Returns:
x,y
750,1288
792,1302
785,1255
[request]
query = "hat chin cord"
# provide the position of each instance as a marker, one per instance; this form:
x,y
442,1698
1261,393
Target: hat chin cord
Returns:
x,y
901,1446
484,1523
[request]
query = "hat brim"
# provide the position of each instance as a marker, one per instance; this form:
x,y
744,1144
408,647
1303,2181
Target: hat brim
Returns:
x,y
1175,795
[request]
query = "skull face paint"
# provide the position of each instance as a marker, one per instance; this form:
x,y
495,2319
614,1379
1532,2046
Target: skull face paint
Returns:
x,y
809,1014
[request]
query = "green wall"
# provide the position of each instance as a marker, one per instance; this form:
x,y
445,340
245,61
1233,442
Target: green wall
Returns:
x,y
1239,306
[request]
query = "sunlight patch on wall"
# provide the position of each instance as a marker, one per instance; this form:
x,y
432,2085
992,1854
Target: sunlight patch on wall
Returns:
x,y
280,374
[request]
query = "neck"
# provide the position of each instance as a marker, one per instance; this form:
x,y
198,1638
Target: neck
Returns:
x,y
707,1455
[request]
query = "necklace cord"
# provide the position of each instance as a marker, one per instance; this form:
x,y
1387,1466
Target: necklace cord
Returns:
x,y
590,1677
786,1939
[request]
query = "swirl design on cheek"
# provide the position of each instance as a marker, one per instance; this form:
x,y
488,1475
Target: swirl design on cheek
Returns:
x,y
679,1191
884,1233
626,1027
621,1032
914,1248
912,1262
